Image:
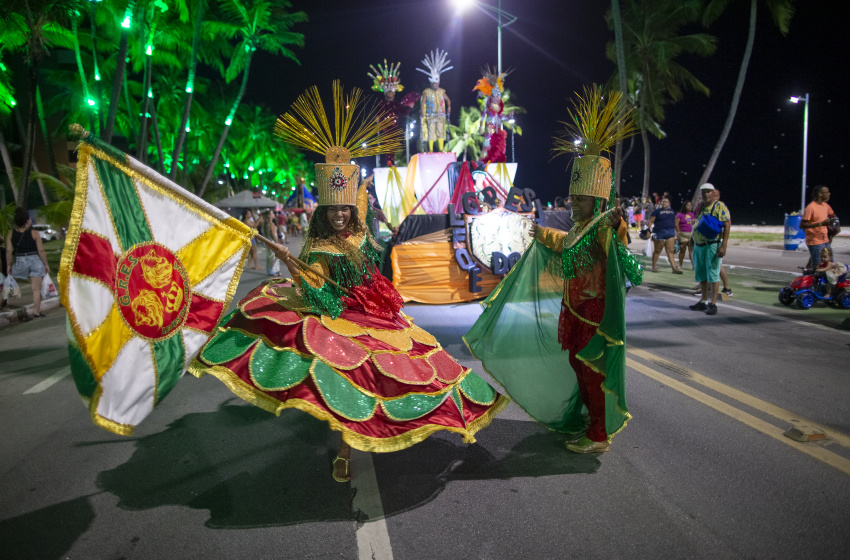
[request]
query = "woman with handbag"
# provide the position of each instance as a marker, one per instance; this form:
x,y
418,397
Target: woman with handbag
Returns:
x,y
24,249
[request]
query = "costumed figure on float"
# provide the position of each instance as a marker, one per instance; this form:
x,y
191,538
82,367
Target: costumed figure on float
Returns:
x,y
491,86
386,80
567,294
435,105
333,341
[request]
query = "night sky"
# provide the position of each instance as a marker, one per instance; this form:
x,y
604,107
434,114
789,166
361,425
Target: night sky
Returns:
x,y
556,47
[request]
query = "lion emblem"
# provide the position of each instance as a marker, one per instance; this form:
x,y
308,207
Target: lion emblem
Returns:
x,y
156,270
147,308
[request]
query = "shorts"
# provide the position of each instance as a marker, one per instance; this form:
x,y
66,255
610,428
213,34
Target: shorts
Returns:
x,y
433,128
665,234
28,266
684,237
706,264
814,252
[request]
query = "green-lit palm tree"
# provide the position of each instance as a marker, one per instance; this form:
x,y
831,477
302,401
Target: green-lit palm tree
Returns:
x,y
652,45
40,17
126,23
781,11
466,139
253,24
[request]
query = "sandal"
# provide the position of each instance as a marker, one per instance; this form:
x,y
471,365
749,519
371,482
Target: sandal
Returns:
x,y
347,469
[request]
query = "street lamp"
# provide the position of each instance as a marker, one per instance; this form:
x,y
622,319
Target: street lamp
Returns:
x,y
805,143
497,13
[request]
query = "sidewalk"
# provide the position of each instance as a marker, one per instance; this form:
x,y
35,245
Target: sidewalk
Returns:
x,y
22,309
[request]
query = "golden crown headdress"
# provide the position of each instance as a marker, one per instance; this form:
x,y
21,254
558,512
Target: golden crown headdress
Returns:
x,y
597,125
358,131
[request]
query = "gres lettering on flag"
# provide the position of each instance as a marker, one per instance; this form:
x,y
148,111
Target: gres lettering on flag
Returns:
x,y
147,272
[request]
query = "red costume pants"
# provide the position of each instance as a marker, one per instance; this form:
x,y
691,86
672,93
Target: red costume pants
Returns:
x,y
590,388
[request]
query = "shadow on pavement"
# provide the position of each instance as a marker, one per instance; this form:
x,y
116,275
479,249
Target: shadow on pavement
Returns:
x,y
251,469
47,533
506,449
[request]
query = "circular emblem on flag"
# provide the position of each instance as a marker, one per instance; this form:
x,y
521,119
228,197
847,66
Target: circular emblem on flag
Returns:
x,y
152,290
338,181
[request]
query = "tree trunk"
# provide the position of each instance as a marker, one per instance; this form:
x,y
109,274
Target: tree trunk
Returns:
x,y
161,164
645,137
98,106
118,79
736,97
130,119
82,73
7,163
142,148
51,156
41,188
190,88
211,168
624,87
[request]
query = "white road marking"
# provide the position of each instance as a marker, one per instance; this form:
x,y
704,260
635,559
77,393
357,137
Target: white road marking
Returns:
x,y
373,540
47,383
739,307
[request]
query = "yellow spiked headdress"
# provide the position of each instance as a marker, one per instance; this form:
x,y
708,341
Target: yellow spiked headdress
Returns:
x,y
597,125
358,132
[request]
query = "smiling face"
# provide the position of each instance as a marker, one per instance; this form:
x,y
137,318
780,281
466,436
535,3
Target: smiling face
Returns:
x,y
582,206
339,217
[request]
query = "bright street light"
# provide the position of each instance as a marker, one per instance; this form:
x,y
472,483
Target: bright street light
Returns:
x,y
497,13
805,144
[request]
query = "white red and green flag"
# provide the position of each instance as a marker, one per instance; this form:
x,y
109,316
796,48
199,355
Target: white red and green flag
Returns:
x,y
147,272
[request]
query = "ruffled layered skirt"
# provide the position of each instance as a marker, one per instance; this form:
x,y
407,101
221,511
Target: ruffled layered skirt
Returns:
x,y
385,383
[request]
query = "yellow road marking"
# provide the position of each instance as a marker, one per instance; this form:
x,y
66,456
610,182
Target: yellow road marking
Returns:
x,y
740,396
766,428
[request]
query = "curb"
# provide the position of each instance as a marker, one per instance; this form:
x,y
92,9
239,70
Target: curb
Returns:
x,y
8,318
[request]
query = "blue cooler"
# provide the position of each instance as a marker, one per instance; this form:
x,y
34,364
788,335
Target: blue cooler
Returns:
x,y
794,235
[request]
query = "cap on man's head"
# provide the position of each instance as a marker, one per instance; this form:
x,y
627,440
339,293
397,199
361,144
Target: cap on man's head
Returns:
x,y
706,187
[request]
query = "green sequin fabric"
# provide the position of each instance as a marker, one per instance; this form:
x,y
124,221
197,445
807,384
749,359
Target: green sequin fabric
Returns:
x,y
226,346
277,370
341,396
348,266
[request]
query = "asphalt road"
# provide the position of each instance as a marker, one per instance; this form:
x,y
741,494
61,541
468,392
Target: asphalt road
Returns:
x,y
702,470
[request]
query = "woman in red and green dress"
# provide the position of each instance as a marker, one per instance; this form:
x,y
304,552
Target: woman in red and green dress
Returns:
x,y
344,352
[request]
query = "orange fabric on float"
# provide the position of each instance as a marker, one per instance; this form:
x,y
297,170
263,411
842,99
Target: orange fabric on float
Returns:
x,y
429,273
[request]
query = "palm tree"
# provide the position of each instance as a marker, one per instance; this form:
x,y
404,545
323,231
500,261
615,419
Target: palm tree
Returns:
x,y
617,23
782,11
465,137
120,64
652,45
256,24
40,17
190,84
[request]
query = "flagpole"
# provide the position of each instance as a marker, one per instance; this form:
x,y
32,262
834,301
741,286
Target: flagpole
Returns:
x,y
302,265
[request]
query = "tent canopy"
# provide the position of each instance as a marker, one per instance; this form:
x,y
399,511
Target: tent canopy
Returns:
x,y
309,199
246,199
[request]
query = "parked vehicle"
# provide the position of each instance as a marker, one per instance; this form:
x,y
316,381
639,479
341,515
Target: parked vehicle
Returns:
x,y
47,233
809,288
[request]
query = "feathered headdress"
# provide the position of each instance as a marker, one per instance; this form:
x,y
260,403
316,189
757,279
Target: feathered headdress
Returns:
x,y
358,132
491,78
436,64
386,77
597,125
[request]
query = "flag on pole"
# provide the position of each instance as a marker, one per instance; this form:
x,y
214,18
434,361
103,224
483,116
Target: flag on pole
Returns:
x,y
147,272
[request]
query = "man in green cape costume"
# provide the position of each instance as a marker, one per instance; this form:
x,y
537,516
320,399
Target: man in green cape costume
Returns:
x,y
567,294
